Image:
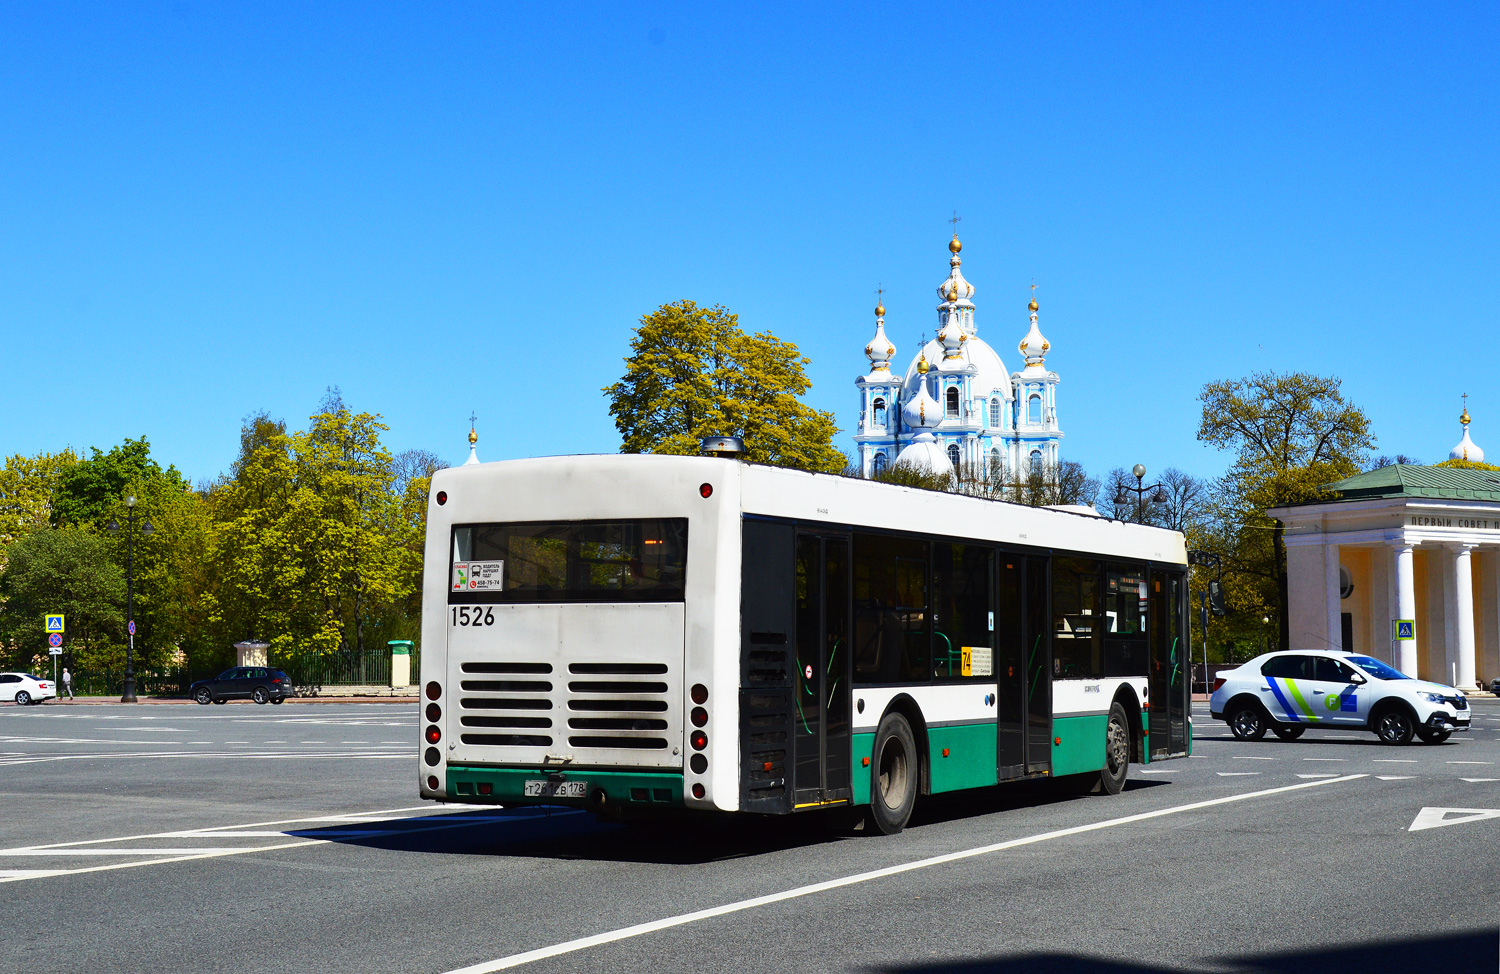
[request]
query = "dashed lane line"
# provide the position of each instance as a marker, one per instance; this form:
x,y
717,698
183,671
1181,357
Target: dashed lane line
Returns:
x,y
641,929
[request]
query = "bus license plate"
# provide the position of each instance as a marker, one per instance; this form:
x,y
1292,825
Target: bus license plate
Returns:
x,y
556,789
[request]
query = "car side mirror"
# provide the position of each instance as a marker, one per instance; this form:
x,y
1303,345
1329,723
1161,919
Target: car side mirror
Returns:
x,y
1356,679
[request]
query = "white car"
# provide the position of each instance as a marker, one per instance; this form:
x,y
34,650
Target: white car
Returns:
x,y
24,688
1290,691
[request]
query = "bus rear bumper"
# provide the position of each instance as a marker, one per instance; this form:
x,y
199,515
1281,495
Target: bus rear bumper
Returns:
x,y
606,792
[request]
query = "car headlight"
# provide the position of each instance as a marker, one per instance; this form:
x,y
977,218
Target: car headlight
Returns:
x,y
1432,697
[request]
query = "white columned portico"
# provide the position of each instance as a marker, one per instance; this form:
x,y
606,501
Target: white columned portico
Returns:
x,y
1335,595
1406,606
1463,599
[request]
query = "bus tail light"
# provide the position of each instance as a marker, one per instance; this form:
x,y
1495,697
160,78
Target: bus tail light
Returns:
x,y
485,788
433,734
698,790
434,691
432,756
434,712
699,693
698,763
699,740
707,490
699,716
432,782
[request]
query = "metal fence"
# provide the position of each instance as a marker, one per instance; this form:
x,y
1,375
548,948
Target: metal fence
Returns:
x,y
370,669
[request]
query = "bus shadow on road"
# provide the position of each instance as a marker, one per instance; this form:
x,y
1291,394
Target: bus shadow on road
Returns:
x,y
1460,953
568,833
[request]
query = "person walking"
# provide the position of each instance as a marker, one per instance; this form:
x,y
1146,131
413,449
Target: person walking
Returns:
x,y
67,683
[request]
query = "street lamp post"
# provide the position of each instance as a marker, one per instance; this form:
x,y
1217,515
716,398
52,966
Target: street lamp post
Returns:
x,y
1157,491
114,528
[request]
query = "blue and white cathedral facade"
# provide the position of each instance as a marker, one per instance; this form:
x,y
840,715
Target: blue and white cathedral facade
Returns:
x,y
956,408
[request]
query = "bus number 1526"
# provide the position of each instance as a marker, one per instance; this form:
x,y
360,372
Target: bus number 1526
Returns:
x,y
464,615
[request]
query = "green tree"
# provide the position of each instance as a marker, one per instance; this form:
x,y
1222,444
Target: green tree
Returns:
x,y
27,486
313,546
167,565
63,570
1290,434
693,373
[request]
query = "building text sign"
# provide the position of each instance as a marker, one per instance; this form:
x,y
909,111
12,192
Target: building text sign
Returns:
x,y
1453,521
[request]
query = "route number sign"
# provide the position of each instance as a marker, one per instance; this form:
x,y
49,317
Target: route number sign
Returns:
x,y
55,623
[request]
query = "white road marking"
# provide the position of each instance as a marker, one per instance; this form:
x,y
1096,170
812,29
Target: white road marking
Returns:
x,y
1471,762
303,837
1156,771
640,929
1475,781
1436,818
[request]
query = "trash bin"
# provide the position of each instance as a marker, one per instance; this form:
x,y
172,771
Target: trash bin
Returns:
x,y
400,662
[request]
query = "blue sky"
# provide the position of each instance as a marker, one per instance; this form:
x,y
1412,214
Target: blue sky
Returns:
x,y
211,209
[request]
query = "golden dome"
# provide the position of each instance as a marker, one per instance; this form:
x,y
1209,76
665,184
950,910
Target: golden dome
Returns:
x,y
954,246
1032,306
880,311
473,436
922,365
1465,417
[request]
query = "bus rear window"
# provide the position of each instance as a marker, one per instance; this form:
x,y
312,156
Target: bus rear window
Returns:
x,y
571,561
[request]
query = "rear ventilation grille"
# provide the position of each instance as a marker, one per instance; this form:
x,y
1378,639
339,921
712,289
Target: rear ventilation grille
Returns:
x,y
507,668
611,706
766,666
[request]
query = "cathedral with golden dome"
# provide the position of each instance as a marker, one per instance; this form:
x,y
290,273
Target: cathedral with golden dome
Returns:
x,y
956,408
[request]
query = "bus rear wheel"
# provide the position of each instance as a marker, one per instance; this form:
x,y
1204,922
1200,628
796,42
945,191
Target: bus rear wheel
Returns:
x,y
893,775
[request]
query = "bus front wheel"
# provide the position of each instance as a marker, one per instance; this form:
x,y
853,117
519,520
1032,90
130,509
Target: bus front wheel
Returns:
x,y
893,784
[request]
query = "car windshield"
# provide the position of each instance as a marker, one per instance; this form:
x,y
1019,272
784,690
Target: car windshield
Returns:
x,y
1377,669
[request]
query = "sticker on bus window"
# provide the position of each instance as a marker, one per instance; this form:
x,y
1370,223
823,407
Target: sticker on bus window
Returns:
x,y
478,576
978,661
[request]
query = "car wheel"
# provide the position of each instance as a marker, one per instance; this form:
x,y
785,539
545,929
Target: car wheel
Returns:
x,y
1434,736
893,775
259,695
220,700
22,698
278,700
1394,726
204,696
1288,732
1248,722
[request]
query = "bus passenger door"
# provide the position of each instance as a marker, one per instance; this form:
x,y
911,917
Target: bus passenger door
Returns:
x,y
1038,652
1168,667
1010,665
820,717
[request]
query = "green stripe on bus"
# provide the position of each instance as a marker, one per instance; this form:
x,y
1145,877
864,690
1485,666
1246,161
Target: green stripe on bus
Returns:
x,y
1078,744
970,762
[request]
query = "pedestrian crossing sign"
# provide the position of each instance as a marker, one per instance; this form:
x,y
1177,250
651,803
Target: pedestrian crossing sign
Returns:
x,y
55,623
1406,628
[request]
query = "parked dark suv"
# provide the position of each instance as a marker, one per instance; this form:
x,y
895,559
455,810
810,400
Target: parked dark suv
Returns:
x,y
258,683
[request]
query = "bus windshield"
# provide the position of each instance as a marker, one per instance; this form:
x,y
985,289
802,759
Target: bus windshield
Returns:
x,y
642,560
1377,669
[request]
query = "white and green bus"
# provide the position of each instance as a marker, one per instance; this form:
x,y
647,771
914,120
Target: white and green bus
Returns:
x,y
647,635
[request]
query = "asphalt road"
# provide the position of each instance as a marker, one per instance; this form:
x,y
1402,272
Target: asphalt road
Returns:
x,y
288,838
